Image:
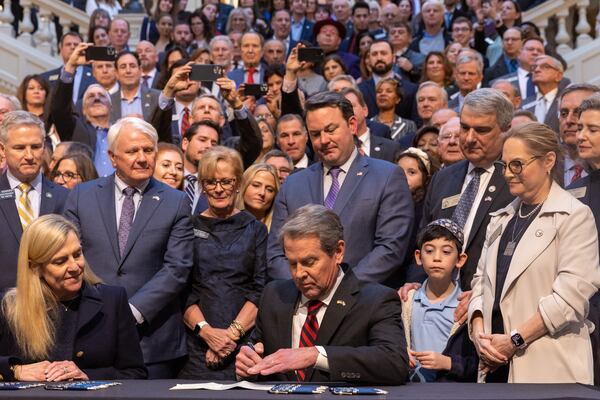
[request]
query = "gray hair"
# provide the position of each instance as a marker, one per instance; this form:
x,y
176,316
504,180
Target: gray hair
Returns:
x,y
427,84
15,119
576,87
464,59
132,123
207,96
553,61
14,102
515,89
347,78
433,3
314,220
276,153
222,38
491,101
592,103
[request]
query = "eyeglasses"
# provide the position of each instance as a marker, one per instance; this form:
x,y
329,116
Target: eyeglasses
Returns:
x,y
66,176
448,136
516,166
211,184
544,67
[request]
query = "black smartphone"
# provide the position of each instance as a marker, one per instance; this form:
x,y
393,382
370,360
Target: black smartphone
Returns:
x,y
100,54
310,54
255,89
206,72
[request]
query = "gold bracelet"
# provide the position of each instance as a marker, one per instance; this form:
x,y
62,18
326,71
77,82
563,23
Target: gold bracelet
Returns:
x,y
238,327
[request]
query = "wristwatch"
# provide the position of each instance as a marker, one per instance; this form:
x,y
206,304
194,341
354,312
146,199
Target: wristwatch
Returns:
x,y
517,340
199,327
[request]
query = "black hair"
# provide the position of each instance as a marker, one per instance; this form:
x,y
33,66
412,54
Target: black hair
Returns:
x,y
432,232
330,99
275,69
124,53
193,129
360,4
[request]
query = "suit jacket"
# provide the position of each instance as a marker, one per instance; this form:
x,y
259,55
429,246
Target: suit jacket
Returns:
x,y
447,183
149,104
554,271
361,332
53,198
495,71
551,114
514,79
53,77
382,148
307,32
157,258
237,75
376,210
407,108
379,129
106,344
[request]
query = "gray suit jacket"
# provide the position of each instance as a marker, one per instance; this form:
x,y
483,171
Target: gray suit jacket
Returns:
x,y
376,210
149,104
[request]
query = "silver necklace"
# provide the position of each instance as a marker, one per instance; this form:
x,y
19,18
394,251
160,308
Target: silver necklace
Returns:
x,y
512,244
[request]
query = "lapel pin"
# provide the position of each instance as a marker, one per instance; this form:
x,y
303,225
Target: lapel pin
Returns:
x,y
155,198
147,105
341,303
359,173
377,148
539,233
49,195
488,198
88,73
492,189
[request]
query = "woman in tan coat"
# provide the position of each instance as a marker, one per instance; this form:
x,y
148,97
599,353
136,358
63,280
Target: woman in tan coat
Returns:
x,y
537,271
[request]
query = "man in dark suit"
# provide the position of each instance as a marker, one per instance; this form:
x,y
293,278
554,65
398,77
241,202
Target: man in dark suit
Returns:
x,y
328,36
367,143
324,324
360,24
507,63
382,61
532,48
292,139
25,193
301,28
407,61
251,47
133,99
282,29
468,73
136,232
149,60
371,196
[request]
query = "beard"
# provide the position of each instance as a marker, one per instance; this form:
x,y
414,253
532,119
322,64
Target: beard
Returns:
x,y
381,69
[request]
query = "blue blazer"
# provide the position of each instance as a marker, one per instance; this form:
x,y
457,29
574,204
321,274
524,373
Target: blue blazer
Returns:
x,y
106,343
376,210
307,32
157,259
407,108
52,202
86,79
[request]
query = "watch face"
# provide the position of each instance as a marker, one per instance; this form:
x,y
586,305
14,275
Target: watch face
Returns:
x,y
517,340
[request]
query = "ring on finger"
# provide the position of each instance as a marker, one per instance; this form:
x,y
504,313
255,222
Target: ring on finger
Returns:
x,y
65,370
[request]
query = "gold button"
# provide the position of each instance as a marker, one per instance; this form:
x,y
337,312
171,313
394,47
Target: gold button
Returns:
x,y
79,354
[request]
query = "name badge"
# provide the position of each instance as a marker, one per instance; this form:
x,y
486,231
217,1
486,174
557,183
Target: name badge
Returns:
x,y
450,201
53,77
7,194
201,234
495,235
175,117
578,193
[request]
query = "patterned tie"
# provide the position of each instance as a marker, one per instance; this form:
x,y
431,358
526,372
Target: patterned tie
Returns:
x,y
185,121
462,210
310,329
145,80
251,72
530,86
25,211
335,188
359,147
578,172
126,219
190,188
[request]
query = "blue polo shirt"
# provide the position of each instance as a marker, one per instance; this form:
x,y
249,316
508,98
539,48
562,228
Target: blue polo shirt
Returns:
x,y
430,327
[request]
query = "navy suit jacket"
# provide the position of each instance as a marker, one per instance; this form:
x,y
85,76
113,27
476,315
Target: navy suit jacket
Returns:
x,y
495,71
53,198
383,149
448,182
379,129
407,108
157,258
106,344
237,75
53,76
361,332
551,115
376,210
307,32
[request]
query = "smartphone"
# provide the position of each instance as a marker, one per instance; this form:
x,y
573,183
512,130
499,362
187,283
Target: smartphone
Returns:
x,y
100,54
310,54
255,89
206,72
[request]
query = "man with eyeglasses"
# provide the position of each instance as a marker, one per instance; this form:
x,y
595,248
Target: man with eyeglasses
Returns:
x,y
507,63
547,75
449,143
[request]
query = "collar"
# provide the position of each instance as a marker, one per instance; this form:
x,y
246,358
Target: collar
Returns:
x,y
522,72
303,162
150,74
450,301
401,52
138,94
14,183
377,78
489,169
558,201
326,299
550,96
114,89
179,107
345,167
301,22
364,138
122,185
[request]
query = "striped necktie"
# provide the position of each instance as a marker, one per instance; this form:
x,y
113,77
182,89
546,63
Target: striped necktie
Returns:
x,y
310,329
190,188
335,188
24,208
467,198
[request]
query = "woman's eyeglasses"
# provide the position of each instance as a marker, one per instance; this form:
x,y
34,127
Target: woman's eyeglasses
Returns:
x,y
66,176
211,184
516,166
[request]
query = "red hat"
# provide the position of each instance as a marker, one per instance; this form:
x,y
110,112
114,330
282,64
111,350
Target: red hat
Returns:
x,y
338,25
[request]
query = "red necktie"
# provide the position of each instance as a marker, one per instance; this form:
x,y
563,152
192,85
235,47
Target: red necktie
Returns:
x,y
577,175
310,329
251,72
185,121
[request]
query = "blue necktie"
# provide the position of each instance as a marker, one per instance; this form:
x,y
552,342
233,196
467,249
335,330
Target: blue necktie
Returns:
x,y
126,219
335,188
190,188
530,86
462,210
514,65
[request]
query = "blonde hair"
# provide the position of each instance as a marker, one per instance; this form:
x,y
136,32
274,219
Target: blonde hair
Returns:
x,y
247,179
30,306
212,156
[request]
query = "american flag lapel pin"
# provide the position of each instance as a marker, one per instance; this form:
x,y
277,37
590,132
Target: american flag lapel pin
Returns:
x,y
341,303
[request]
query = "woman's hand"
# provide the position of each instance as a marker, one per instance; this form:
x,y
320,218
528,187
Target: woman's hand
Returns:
x,y
212,359
488,354
64,371
218,340
503,344
32,372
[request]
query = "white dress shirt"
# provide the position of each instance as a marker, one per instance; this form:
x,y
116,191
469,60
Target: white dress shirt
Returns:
x,y
342,175
522,80
196,186
365,140
303,162
544,101
34,196
300,315
483,183
179,111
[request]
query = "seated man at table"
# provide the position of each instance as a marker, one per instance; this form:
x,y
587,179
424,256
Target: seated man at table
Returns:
x,y
341,329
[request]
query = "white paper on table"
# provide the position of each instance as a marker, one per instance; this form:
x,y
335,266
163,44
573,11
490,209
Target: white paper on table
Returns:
x,y
221,386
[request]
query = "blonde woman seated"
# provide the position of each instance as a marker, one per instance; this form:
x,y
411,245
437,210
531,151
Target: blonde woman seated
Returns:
x,y
260,185
60,323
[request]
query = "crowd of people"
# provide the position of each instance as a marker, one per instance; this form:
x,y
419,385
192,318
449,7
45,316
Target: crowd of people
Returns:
x,y
418,203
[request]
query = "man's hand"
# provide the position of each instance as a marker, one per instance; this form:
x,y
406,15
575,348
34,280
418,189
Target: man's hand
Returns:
x,y
218,340
77,57
247,359
32,372
462,311
229,92
284,360
180,80
403,291
433,360
412,359
212,359
64,371
292,66
404,64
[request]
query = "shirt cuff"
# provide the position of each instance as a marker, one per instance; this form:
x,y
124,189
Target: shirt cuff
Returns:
x,y
66,77
242,113
164,101
136,314
289,86
322,361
